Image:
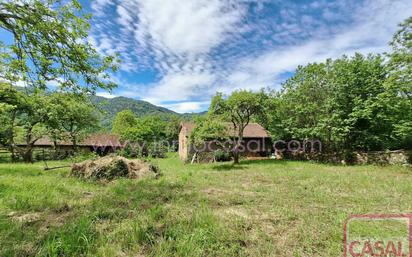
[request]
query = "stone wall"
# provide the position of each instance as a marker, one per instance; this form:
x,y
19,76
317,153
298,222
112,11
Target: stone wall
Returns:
x,y
398,157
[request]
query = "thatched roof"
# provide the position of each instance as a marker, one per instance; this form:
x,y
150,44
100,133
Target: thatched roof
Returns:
x,y
252,130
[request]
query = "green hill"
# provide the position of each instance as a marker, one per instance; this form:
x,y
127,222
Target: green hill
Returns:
x,y
110,107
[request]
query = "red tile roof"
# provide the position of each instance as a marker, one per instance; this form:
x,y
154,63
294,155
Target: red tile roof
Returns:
x,y
99,139
252,130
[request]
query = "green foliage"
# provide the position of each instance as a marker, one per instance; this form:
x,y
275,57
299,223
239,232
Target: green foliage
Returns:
x,y
71,117
110,108
238,108
398,94
147,129
50,44
123,121
221,156
211,130
352,103
208,128
28,117
10,100
146,136
336,102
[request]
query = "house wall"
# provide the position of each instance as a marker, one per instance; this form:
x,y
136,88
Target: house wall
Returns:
x,y
183,146
250,147
258,147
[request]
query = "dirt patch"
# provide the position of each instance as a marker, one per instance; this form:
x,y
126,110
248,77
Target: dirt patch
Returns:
x,y
54,220
25,218
236,212
216,192
112,167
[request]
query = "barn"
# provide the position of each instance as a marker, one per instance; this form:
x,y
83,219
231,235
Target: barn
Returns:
x,y
100,143
256,141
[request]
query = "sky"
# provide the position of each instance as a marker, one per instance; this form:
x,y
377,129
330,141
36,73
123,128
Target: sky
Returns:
x,y
179,53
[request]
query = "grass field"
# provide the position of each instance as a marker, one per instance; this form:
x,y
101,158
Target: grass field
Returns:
x,y
260,208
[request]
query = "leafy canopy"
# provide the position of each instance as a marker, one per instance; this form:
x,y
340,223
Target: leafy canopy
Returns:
x,y
123,121
50,44
238,108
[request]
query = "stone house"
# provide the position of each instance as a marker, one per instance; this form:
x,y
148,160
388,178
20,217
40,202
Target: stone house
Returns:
x,y
256,141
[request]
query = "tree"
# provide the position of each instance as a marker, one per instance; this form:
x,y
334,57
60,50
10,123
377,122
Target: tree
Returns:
x,y
11,104
239,108
298,110
71,115
50,44
337,102
32,119
145,135
172,128
357,121
150,133
28,117
351,103
208,128
24,114
124,120
398,93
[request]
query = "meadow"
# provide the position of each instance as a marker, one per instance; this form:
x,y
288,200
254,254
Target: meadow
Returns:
x,y
257,208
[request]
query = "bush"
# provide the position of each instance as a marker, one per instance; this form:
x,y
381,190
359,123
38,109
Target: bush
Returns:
x,y
221,156
128,152
157,151
150,150
83,156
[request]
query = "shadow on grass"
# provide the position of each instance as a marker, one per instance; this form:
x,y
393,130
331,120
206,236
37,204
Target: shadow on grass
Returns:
x,y
229,166
265,162
245,163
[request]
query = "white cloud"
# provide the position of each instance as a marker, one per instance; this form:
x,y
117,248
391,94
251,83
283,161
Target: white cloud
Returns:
x,y
197,47
189,28
179,87
106,95
373,28
187,107
20,83
99,5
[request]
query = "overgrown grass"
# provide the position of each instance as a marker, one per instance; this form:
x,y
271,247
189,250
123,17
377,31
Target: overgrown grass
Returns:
x,y
259,208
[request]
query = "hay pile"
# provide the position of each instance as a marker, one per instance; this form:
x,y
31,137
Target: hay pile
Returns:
x,y
111,167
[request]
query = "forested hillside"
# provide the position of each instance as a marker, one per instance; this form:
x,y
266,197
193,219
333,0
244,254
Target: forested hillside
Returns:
x,y
110,107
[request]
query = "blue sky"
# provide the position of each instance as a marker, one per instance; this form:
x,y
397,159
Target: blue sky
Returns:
x,y
178,53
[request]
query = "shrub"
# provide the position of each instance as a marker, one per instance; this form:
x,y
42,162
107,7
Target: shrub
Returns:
x,y
221,156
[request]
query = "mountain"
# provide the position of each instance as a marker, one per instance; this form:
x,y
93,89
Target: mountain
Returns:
x,y
110,107
139,107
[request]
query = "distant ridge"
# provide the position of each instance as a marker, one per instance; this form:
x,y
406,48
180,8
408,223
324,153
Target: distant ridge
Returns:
x,y
111,106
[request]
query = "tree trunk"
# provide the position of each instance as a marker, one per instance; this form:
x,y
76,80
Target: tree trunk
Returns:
x,y
74,143
236,154
236,157
13,155
28,155
28,152
12,146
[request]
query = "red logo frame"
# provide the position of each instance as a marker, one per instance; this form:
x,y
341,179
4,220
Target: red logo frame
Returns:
x,y
408,217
